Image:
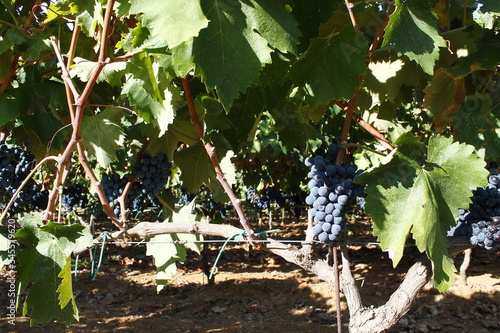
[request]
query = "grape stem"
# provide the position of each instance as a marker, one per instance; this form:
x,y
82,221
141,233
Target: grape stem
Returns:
x,y
349,6
97,186
122,199
215,162
355,145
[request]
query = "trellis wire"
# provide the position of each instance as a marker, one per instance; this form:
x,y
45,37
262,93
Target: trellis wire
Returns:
x,y
247,241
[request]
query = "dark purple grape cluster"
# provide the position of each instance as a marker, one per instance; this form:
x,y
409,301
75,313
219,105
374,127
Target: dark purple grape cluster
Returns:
x,y
74,196
139,196
486,233
15,165
332,193
152,172
263,200
258,201
185,198
40,199
481,221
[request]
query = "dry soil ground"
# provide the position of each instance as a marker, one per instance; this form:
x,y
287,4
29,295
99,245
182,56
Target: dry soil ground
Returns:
x,y
255,291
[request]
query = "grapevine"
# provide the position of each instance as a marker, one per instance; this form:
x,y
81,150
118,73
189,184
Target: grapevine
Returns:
x,y
262,81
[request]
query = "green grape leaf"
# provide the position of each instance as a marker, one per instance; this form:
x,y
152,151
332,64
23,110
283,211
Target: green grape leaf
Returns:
x,y
89,13
34,46
406,197
182,129
195,166
12,38
65,289
9,107
413,31
176,21
146,105
216,118
487,14
122,7
38,106
273,22
440,97
165,255
101,135
478,123
147,91
302,130
249,108
166,252
330,70
487,56
226,58
197,169
44,124
185,214
44,268
238,41
387,73
182,59
111,73
90,17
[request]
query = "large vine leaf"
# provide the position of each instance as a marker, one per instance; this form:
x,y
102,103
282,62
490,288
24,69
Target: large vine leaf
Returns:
x,y
148,92
176,21
111,73
413,31
302,129
486,57
405,196
197,169
478,123
195,166
168,249
45,268
101,135
38,106
9,107
442,95
238,41
330,70
487,14
273,22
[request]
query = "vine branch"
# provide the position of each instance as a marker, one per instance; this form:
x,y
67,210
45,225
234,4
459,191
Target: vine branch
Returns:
x,y
80,102
215,162
15,59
